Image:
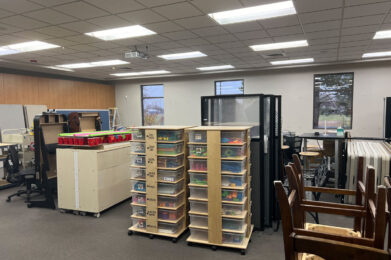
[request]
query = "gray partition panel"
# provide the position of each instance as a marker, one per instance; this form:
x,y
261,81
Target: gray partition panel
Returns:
x,y
11,117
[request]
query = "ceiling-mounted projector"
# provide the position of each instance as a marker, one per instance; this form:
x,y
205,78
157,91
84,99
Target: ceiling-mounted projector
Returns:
x,y
136,54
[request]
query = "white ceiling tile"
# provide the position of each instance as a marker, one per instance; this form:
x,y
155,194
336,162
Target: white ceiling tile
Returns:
x,y
243,27
232,44
324,40
285,31
289,20
252,35
286,38
142,17
153,39
23,22
105,45
323,34
166,45
10,39
388,19
303,6
180,35
117,6
196,22
51,2
4,13
19,6
110,21
152,3
361,2
356,43
164,27
84,47
221,38
209,31
82,39
63,42
81,10
211,6
361,21
332,46
7,29
177,11
194,42
50,16
56,31
328,15
32,35
364,10
360,29
323,26
81,27
356,37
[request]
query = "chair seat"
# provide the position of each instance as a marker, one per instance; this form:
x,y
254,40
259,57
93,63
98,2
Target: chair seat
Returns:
x,y
330,230
27,172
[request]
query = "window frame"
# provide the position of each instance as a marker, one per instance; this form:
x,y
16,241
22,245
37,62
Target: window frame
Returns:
x,y
226,81
142,99
313,99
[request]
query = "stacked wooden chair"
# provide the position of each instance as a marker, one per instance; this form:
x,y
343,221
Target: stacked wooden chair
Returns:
x,y
364,241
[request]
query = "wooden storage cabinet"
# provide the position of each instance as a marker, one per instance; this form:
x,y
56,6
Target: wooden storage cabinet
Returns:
x,y
158,181
219,173
92,180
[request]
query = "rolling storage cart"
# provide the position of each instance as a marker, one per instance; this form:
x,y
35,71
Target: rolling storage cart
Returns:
x,y
158,181
220,190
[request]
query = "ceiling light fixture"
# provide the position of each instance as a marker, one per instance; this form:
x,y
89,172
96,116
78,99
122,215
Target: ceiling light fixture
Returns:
x,y
93,64
184,55
279,45
219,67
382,35
58,68
26,47
141,73
376,54
259,12
121,33
297,61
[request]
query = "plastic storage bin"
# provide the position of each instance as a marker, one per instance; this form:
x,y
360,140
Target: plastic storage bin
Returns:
x,y
232,195
169,149
137,173
139,198
233,180
198,165
197,136
198,150
170,202
198,178
198,192
138,134
139,223
233,166
139,211
169,135
232,151
233,137
138,185
137,147
233,209
233,238
170,188
166,214
199,234
199,221
170,162
169,228
233,224
166,175
199,206
137,160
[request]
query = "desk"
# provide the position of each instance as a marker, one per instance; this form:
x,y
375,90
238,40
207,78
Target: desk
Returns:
x,y
330,136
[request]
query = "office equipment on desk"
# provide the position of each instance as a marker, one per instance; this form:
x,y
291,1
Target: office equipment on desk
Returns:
x,y
5,181
24,140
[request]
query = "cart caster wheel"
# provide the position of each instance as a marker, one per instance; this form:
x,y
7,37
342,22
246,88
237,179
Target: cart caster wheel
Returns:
x,y
190,244
214,248
83,214
130,233
97,215
8,200
151,236
242,252
75,212
29,205
174,240
62,211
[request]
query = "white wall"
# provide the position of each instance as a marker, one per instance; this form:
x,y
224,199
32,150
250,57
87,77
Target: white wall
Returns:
x,y
182,95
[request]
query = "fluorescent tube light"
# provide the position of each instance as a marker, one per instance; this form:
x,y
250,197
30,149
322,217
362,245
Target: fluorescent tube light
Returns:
x,y
376,54
58,68
184,55
297,61
382,34
220,67
259,12
93,64
279,45
141,73
121,33
26,47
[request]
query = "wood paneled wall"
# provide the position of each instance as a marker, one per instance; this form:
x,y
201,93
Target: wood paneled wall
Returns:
x,y
55,93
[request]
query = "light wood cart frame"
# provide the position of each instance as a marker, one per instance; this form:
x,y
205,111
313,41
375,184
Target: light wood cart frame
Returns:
x,y
151,179
214,200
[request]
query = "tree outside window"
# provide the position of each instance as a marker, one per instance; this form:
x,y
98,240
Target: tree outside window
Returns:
x,y
152,104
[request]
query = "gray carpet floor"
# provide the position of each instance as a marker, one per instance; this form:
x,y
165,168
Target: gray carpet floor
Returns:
x,y
48,234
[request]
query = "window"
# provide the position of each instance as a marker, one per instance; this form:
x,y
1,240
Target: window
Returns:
x,y
152,104
229,87
333,100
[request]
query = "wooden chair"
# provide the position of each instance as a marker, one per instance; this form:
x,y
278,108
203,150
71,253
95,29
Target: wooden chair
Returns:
x,y
332,246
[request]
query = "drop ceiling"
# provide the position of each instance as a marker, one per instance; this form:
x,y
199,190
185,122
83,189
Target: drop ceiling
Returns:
x,y
337,31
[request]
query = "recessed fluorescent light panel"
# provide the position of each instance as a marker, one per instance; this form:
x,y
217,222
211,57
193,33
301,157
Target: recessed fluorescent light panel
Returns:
x,y
376,54
279,45
141,73
26,47
297,61
382,35
93,64
259,12
220,67
121,33
184,55
58,68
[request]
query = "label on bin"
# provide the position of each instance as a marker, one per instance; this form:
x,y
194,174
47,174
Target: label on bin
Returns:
x,y
151,160
198,136
151,174
151,213
151,148
151,136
